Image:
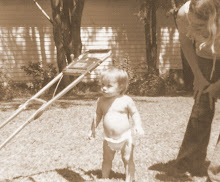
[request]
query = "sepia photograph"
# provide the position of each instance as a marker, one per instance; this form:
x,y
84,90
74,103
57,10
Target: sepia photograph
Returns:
x,y
109,91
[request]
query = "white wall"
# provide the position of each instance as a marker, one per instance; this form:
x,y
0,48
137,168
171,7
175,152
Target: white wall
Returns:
x,y
168,47
26,35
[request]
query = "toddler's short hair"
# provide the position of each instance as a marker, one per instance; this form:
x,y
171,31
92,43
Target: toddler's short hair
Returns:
x,y
119,75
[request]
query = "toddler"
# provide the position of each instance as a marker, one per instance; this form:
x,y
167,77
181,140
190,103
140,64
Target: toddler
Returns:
x,y
114,109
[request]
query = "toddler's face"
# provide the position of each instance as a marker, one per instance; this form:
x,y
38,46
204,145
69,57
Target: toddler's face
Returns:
x,y
109,88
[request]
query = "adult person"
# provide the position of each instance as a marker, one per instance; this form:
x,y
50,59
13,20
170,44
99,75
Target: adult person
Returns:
x,y
198,23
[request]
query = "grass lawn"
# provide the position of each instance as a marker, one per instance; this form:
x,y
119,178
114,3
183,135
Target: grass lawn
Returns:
x,y
54,148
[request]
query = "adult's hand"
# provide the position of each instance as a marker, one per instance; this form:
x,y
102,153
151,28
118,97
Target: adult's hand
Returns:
x,y
214,92
200,84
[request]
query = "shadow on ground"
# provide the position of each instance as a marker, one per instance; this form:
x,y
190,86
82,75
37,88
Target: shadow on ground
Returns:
x,y
70,175
97,174
63,102
67,100
165,172
67,174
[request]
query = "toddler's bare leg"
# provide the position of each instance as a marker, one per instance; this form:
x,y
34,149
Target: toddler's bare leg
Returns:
x,y
108,156
127,157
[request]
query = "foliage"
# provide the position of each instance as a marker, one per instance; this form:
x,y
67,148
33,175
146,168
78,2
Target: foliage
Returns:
x,y
174,81
124,64
153,85
6,91
164,4
150,84
40,75
147,85
145,5
139,84
86,88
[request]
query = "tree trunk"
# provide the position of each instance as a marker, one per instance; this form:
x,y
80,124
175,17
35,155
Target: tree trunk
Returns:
x,y
154,36
150,35
66,30
148,40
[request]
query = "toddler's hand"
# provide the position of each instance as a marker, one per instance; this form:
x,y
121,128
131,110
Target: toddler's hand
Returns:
x,y
91,135
138,130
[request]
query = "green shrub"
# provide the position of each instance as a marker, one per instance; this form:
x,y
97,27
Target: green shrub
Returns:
x,y
40,75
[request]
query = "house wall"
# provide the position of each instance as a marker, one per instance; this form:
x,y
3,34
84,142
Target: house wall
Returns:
x,y
168,46
111,24
26,35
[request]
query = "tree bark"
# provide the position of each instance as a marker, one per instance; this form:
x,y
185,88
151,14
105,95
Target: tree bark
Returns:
x,y
148,40
154,35
66,29
150,35
66,16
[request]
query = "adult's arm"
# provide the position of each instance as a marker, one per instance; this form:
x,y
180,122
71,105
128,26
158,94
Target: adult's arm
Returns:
x,y
214,89
189,52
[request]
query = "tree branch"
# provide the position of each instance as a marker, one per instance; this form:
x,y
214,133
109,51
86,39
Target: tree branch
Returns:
x,y
41,9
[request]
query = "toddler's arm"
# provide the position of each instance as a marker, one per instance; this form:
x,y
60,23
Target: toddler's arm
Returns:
x,y
96,120
93,126
135,117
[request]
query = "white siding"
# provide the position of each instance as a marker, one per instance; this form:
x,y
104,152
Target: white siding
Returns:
x,y
26,35
113,25
168,47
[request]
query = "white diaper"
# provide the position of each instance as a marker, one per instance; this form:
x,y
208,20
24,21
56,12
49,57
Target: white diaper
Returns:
x,y
117,144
